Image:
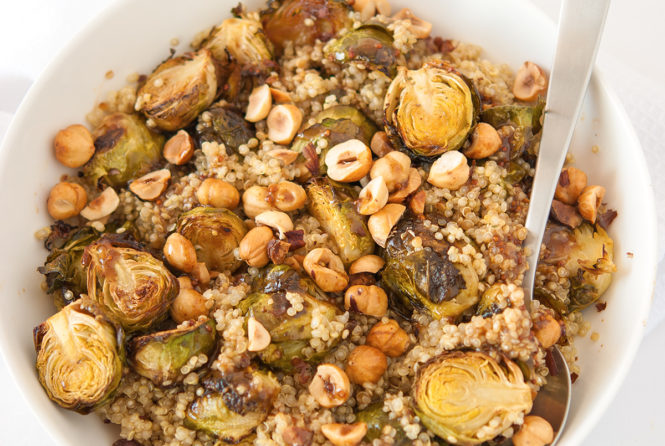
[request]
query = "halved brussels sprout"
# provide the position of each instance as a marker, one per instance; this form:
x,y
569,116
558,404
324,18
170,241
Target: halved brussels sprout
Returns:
x,y
286,22
160,356
215,234
234,403
587,253
376,419
225,125
125,149
278,289
468,398
430,110
133,288
333,206
518,126
371,45
178,90
241,39
420,276
79,361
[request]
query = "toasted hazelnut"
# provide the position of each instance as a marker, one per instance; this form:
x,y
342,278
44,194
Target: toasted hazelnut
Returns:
x,y
485,141
330,386
367,299
66,200
283,123
287,196
535,431
383,7
184,282
259,338
74,146
256,201
201,274
103,205
394,168
566,214
373,197
260,102
344,434
277,220
547,330
279,96
366,364
449,171
326,269
530,82
218,194
150,186
404,190
417,202
381,223
367,264
189,304
348,161
380,144
253,247
388,337
284,155
572,182
180,252
418,27
179,149
589,201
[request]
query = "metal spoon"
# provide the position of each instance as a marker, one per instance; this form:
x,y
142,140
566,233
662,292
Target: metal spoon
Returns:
x,y
578,36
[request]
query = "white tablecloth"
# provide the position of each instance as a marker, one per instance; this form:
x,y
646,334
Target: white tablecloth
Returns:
x,y
31,31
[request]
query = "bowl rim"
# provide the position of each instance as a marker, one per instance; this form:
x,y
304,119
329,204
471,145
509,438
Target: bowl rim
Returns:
x,y
8,350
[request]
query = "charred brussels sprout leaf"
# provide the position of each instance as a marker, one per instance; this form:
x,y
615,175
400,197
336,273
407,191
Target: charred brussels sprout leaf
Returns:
x,y
370,44
160,356
125,149
234,403
420,276
587,253
286,22
133,288
225,125
215,233
278,289
518,126
178,90
469,396
79,360
376,419
333,206
241,39
430,110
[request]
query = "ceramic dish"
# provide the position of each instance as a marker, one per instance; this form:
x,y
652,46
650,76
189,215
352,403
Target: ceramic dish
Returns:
x,y
134,36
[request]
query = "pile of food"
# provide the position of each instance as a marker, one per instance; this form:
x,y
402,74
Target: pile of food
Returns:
x,y
308,230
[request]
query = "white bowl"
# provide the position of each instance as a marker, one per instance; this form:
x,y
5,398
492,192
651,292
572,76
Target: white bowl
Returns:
x,y
134,36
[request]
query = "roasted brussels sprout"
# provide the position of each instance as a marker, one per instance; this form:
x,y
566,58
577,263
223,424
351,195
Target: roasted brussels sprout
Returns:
x,y
587,253
430,110
371,45
132,288
278,289
376,419
518,126
215,233
178,90
286,22
160,356
470,397
419,274
124,149
225,125
234,403
79,361
333,206
334,125
241,39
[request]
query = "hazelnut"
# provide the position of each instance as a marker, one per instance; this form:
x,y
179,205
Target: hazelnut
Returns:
x,y
418,27
74,146
394,168
189,304
253,247
279,96
180,252
367,264
260,102
449,171
344,434
380,144
283,123
348,161
367,299
287,196
485,141
417,202
259,338
179,149
326,269
404,190
572,182
66,200
218,194
284,155
547,330
201,274
589,201
255,201
366,364
381,223
150,186
330,386
276,220
102,206
388,337
373,197
530,82
535,431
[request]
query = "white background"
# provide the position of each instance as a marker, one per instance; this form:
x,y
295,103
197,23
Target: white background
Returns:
x,y
32,31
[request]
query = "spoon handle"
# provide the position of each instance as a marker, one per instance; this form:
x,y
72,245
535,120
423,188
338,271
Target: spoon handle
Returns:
x,y
578,36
